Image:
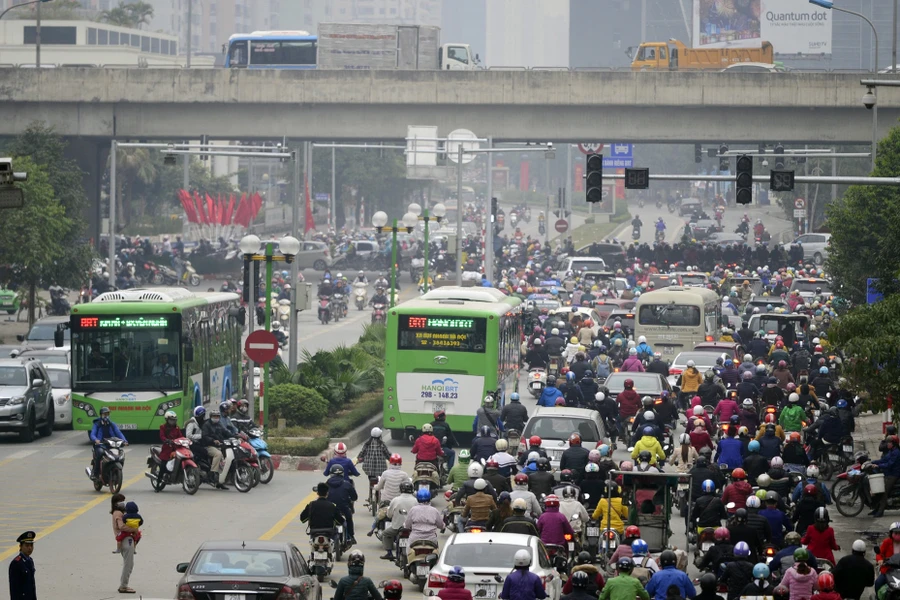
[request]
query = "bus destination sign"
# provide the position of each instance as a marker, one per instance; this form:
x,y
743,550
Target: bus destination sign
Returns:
x,y
442,333
130,322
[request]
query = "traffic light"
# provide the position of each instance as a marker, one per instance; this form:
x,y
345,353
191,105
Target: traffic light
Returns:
x,y
698,153
744,187
495,206
594,178
256,292
260,316
779,156
724,162
246,276
204,141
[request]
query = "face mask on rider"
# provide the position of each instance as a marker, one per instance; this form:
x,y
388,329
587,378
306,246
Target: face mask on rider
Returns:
x,y
215,419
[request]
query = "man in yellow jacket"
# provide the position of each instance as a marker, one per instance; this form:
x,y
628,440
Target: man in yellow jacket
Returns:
x,y
690,383
649,442
617,516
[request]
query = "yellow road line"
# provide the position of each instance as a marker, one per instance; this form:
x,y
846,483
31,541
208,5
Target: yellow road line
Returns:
x,y
285,520
13,550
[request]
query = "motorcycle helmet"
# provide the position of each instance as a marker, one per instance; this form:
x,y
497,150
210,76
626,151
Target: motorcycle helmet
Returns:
x,y
826,582
801,555
761,571
628,384
812,472
393,590
484,431
810,490
480,484
543,463
639,548
859,546
740,515
521,479
424,495
792,538
667,559
171,416
356,559
519,505
501,445
427,428
376,432
708,486
199,412
777,462
763,480
565,475
464,456
626,565
722,534
340,448
753,502
753,446
649,416
551,500
708,582
632,531
574,440
522,558
534,441
594,456
822,514
592,468
794,437
475,470
697,411
647,431
742,549
738,474
491,464
337,470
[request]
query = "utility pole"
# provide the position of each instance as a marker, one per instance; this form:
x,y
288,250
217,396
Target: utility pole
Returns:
x,y
37,37
190,20
894,41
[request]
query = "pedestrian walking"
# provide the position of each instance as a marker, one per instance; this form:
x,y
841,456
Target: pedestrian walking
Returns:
x,y
21,570
127,551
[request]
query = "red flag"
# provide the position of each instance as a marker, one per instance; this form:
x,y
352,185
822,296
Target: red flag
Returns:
x,y
188,206
524,176
310,222
210,209
202,214
242,217
230,211
257,204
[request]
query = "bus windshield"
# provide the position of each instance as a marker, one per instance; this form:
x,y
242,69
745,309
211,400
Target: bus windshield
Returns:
x,y
670,315
127,360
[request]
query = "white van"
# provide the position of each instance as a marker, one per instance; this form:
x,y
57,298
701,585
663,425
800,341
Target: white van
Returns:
x,y
579,263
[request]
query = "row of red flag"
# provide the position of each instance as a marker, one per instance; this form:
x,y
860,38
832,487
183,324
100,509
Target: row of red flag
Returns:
x,y
220,210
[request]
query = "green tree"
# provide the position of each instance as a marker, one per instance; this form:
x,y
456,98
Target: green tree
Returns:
x,y
58,10
132,15
870,336
33,237
865,227
133,165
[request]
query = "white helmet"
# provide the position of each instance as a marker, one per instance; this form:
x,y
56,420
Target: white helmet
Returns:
x,y
684,438
649,416
599,396
376,432
632,352
362,273
480,484
812,471
554,331
488,399
747,403
859,546
748,358
794,397
427,428
532,456
475,471
690,363
520,505
170,414
698,411
522,558
642,340
501,445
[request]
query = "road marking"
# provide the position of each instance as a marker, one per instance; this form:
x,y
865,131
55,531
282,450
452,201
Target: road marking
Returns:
x,y
280,525
21,454
69,454
13,550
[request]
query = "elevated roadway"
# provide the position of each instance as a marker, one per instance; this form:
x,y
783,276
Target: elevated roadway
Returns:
x,y
509,105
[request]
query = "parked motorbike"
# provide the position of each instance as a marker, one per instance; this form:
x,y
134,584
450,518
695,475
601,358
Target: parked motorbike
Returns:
x,y
360,294
324,309
266,466
181,468
862,486
378,313
112,462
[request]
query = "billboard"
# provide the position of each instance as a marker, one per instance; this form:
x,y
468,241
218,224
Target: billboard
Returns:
x,y
791,26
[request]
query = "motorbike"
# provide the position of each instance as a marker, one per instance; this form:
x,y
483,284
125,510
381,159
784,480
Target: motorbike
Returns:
x,y
592,538
378,313
283,310
537,381
559,555
640,203
360,294
401,542
843,479
266,466
112,462
541,229
660,235
635,233
59,304
426,477
658,203
340,307
416,269
149,273
706,539
181,468
451,512
324,309
513,219
527,216
893,578
322,556
240,473
423,560
862,486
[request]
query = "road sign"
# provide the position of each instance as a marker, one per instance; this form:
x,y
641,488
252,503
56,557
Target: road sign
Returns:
x,y
783,181
590,148
261,346
562,226
637,179
799,203
799,213
457,137
621,150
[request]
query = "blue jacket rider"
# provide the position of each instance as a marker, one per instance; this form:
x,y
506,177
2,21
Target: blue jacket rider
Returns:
x,y
103,428
549,396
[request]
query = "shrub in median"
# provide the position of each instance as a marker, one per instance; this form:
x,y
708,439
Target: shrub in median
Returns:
x,y
293,448
356,417
296,404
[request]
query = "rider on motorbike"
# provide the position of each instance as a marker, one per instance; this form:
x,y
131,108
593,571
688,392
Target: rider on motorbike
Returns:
x,y
379,297
343,494
479,505
423,520
427,448
442,432
168,432
322,513
213,433
103,428
552,524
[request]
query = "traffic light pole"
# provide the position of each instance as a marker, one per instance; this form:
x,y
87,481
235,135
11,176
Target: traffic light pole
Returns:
x,y
489,225
840,180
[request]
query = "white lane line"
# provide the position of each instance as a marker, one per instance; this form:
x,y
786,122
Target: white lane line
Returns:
x,y
21,454
70,453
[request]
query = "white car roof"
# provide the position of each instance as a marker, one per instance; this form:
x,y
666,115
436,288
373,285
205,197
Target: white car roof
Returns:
x,y
516,539
561,411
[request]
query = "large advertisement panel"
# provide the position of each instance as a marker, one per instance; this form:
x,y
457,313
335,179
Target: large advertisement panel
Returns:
x,y
791,26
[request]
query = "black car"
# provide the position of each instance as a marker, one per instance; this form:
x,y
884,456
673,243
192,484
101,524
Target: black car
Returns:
x,y
612,254
645,384
257,570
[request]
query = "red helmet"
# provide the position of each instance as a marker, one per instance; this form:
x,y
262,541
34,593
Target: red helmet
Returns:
x,y
534,441
551,500
564,370
722,534
810,490
770,418
521,479
826,582
779,345
633,531
738,474
794,437
439,414
629,384
393,590
782,364
492,464
574,440
396,459
340,448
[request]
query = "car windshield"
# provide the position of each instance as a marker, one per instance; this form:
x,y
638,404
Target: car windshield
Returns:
x,y
57,358
560,428
44,332
693,279
481,556
127,360
661,281
59,378
670,315
811,286
267,563
701,359
13,376
643,382
773,325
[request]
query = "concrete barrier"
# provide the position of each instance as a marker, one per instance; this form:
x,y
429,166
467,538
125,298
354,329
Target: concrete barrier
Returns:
x,y
354,438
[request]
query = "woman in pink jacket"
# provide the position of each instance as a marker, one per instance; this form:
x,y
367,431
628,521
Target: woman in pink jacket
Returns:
x,y
800,579
726,408
552,524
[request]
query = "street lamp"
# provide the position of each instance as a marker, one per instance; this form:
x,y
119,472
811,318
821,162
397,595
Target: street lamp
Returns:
x,y
870,101
379,221
830,6
250,245
438,212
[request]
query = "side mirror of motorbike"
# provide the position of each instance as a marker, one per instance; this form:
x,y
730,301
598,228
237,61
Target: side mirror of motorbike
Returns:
x,y
58,338
182,567
333,583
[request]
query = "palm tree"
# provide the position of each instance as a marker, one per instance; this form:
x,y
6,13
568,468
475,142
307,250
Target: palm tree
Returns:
x,y
132,165
131,15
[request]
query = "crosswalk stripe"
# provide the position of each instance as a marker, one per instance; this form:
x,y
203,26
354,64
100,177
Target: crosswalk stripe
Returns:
x,y
70,453
21,454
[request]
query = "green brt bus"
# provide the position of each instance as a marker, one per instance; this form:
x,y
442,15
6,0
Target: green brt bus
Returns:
x,y
142,352
445,351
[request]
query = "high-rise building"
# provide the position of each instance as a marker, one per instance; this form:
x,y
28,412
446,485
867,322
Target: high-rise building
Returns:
x,y
307,14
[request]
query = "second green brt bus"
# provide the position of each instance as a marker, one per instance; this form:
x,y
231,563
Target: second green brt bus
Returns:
x,y
142,352
445,351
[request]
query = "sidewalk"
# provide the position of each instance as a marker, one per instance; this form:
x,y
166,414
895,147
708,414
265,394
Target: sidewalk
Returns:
x,y
869,433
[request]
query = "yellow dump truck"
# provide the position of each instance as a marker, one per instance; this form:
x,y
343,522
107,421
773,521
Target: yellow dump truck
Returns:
x,y
675,56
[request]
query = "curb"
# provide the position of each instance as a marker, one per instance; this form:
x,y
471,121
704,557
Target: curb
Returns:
x,y
284,462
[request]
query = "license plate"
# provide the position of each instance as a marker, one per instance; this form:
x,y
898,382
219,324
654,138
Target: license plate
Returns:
x,y
848,448
593,532
571,546
134,426
536,385
682,486
321,556
403,542
706,546
834,457
436,406
485,591
669,350
235,596
422,571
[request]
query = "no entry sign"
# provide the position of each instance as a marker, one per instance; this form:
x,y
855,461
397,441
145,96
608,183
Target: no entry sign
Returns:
x,y
261,346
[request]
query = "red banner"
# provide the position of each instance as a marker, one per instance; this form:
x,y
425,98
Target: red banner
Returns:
x,y
620,184
579,178
310,224
524,176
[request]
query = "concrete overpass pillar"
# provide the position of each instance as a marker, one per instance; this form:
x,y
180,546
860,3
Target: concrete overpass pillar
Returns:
x,y
91,154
